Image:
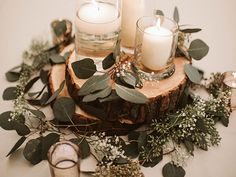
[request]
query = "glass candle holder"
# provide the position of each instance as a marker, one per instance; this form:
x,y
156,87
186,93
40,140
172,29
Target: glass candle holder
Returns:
x,y
97,28
155,46
229,79
131,12
64,159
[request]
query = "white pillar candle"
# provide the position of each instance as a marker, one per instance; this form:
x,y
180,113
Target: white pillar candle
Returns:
x,y
132,10
156,47
98,18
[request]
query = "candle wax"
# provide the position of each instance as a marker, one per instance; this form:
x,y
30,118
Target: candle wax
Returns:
x,y
156,47
98,12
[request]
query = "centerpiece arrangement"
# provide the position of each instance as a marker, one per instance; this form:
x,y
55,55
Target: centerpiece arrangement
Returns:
x,y
99,92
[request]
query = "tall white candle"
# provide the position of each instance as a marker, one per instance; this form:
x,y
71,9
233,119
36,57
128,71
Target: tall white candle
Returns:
x,y
132,10
156,46
98,18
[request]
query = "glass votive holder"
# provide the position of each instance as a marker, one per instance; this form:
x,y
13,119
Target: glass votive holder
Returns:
x,y
97,28
229,79
64,159
155,46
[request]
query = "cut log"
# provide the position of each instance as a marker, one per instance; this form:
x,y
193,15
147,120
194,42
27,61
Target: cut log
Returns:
x,y
163,96
121,116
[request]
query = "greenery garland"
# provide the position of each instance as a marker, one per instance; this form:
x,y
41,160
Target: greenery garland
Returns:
x,y
192,125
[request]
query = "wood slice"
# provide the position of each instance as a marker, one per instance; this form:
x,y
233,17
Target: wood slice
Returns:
x,y
120,116
163,96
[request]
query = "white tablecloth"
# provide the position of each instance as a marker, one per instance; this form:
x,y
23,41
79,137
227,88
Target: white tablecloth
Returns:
x,y
22,20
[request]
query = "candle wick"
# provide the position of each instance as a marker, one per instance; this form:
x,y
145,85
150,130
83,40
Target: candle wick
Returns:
x,y
158,24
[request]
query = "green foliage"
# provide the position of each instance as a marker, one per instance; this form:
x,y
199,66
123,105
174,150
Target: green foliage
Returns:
x,y
192,73
17,145
198,49
64,109
56,93
83,146
171,170
130,95
10,93
84,69
176,15
108,61
93,84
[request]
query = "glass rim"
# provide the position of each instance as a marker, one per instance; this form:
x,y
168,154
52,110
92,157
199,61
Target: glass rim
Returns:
x,y
78,17
155,16
53,148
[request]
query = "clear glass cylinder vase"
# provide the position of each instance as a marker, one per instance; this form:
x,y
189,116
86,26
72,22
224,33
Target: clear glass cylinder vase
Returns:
x,y
155,46
64,159
97,28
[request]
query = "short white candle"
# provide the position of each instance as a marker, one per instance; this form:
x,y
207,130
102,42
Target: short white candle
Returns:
x,y
156,47
132,10
98,18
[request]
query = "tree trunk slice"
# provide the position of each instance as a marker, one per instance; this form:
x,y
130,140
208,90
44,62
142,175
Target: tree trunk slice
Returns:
x,y
163,96
120,116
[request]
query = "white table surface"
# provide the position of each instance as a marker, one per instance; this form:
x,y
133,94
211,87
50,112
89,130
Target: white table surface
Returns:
x,y
22,20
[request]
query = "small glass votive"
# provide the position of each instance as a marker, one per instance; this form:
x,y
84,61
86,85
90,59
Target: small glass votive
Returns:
x,y
155,46
229,79
64,159
97,28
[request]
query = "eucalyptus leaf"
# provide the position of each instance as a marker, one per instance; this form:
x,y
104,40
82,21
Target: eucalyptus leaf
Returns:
x,y
113,96
95,83
171,170
154,161
64,109
84,69
44,99
44,76
17,145
131,150
37,113
176,15
191,30
57,59
130,95
21,128
225,121
129,79
12,76
4,121
60,28
189,146
37,94
108,61
9,93
100,94
158,12
198,49
142,140
47,142
201,125
83,146
56,93
33,151
192,73
30,84
34,102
